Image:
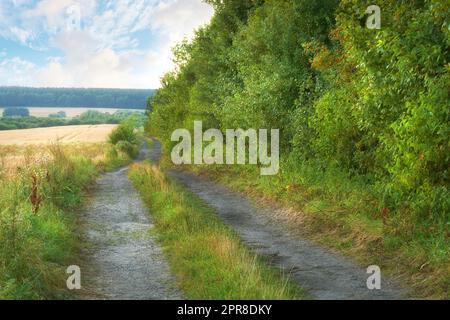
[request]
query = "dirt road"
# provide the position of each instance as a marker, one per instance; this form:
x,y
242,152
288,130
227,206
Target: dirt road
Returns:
x,y
122,260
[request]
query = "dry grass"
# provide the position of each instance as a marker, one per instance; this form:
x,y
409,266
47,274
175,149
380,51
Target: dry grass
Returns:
x,y
14,157
40,186
62,135
21,148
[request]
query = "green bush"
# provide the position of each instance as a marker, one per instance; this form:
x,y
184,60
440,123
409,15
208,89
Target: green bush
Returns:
x,y
130,149
124,138
16,112
124,132
88,117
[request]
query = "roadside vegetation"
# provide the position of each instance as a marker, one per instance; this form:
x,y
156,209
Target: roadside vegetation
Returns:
x,y
123,140
340,214
41,189
206,256
363,116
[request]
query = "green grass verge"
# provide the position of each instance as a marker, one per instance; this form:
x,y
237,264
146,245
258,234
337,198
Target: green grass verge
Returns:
x,y
207,257
39,229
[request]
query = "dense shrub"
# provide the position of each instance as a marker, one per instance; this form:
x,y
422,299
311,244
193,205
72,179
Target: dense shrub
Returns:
x,y
124,132
371,103
124,138
128,148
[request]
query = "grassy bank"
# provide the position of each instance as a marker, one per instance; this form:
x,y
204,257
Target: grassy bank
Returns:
x,y
41,189
206,256
37,224
346,215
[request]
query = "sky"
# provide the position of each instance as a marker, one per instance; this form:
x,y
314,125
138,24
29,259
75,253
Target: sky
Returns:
x,y
93,43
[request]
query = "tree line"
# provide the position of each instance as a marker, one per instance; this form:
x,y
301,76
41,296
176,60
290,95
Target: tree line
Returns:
x,y
371,103
91,117
74,97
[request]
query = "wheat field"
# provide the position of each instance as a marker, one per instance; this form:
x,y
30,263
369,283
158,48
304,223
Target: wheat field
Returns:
x,y
61,135
21,148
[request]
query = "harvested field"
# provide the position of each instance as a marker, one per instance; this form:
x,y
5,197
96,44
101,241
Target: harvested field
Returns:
x,y
62,135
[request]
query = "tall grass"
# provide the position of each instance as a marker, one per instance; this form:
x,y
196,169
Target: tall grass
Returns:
x,y
40,188
206,256
37,224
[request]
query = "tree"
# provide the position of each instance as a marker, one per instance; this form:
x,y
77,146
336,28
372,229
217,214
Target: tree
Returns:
x,y
16,112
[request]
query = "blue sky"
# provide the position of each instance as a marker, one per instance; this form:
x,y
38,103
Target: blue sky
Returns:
x,y
93,43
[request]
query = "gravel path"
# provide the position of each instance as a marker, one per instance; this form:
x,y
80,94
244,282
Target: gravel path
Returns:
x,y
122,260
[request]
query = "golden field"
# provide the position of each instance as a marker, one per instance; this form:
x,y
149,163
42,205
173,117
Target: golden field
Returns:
x,y
15,157
21,148
61,135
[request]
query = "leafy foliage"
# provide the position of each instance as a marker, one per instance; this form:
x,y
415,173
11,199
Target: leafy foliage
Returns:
x,y
124,138
373,104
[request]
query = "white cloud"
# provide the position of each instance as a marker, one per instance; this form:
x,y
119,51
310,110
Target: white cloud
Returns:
x,y
21,34
50,9
104,52
23,71
106,68
52,16
178,19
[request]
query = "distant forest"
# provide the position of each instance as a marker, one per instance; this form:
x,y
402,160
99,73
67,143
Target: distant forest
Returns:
x,y
74,97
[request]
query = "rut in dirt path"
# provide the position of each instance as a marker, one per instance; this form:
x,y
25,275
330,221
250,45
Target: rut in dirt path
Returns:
x,y
122,259
325,275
